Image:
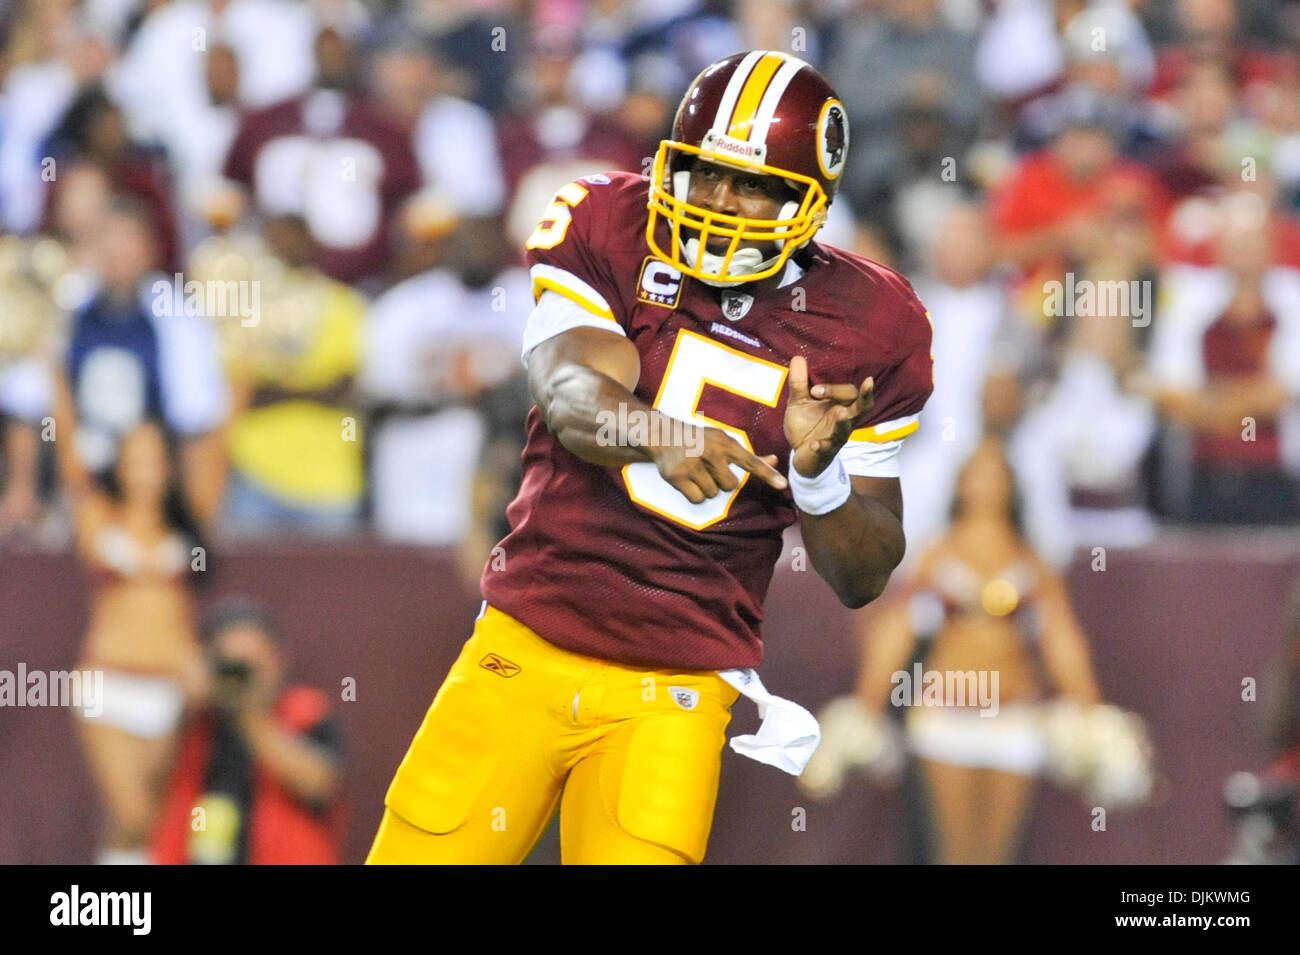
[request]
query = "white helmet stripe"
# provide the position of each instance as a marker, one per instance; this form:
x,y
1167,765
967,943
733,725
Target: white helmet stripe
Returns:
x,y
775,90
732,93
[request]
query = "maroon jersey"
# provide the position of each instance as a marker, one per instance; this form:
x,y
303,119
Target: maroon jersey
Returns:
x,y
1237,350
614,562
523,146
336,161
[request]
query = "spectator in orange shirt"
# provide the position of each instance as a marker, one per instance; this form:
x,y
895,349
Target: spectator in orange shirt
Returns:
x,y
1053,200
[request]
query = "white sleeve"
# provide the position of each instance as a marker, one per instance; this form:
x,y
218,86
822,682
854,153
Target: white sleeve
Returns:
x,y
385,373
397,333
556,312
26,390
456,145
1284,355
34,98
1018,49
1282,292
1194,298
873,451
195,396
1044,490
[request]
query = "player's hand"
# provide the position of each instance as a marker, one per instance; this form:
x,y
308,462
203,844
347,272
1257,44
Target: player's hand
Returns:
x,y
819,419
699,465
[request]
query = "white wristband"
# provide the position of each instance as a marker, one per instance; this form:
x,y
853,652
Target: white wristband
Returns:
x,y
822,494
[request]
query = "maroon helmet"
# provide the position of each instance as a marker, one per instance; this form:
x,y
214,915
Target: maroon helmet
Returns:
x,y
764,111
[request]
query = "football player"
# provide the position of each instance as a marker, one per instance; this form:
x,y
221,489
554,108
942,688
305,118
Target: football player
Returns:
x,y
704,373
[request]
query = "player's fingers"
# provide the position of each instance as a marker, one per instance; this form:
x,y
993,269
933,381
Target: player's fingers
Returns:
x,y
866,397
758,467
720,471
703,479
840,394
689,489
853,414
836,425
798,378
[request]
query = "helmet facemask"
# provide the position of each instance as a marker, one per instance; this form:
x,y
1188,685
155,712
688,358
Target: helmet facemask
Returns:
x,y
793,228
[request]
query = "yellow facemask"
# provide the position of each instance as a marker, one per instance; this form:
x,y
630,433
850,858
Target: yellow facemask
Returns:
x,y
668,198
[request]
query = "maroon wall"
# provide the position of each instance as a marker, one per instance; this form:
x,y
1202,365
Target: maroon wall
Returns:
x,y
1174,627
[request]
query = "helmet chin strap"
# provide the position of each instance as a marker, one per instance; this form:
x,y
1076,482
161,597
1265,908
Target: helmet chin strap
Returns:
x,y
743,261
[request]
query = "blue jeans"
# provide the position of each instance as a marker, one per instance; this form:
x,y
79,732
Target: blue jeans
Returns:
x,y
253,511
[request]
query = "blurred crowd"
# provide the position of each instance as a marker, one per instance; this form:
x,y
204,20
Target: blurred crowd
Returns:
x,y
1098,202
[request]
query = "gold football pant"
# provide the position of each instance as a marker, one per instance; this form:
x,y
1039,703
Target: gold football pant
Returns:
x,y
631,756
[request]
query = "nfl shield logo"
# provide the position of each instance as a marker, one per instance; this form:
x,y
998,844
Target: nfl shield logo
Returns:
x,y
735,306
685,698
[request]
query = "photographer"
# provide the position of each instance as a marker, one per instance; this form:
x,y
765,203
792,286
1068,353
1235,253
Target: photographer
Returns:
x,y
256,779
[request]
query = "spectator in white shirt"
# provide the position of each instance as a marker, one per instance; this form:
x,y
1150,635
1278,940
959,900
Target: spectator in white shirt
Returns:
x,y
49,58
1225,364
967,306
454,140
442,348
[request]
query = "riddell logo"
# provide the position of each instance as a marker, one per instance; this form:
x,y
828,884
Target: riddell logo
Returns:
x,y
755,154
735,147
499,665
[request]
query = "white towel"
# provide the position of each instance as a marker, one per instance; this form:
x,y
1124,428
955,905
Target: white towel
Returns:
x,y
789,734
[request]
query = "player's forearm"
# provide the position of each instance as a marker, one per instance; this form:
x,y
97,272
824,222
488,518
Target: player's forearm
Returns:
x,y
597,418
854,547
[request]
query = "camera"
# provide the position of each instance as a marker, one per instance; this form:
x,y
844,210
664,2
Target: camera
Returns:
x,y
230,678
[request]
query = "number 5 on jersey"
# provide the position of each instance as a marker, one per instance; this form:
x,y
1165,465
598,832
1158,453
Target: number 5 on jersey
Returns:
x,y
555,219
697,361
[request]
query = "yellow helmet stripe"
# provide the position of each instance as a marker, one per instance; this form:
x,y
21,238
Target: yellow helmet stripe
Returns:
x,y
742,118
727,105
772,98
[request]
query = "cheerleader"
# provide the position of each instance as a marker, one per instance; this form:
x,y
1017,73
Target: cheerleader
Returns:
x,y
982,610
141,550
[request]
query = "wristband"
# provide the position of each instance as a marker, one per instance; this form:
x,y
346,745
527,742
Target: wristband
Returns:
x,y
822,494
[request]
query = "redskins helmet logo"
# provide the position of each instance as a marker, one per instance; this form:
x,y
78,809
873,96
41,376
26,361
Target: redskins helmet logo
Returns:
x,y
832,138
